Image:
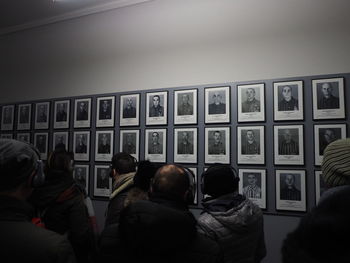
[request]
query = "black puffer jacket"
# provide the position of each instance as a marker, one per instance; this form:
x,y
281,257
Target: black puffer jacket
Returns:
x,y
159,230
22,241
64,211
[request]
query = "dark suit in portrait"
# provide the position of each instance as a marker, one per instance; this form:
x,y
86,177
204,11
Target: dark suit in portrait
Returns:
x,y
155,148
105,110
61,114
327,100
156,110
80,145
24,114
7,116
42,114
82,113
129,112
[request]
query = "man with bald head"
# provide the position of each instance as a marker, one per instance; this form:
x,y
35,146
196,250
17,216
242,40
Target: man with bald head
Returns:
x,y
327,99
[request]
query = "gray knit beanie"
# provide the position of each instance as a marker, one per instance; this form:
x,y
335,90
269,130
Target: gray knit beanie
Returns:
x,y
336,163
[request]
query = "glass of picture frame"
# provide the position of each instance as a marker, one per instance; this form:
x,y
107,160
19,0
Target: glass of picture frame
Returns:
x,y
105,111
251,145
82,113
217,145
104,146
291,190
185,106
81,175
81,145
252,184
328,98
130,110
130,142
251,102
42,115
102,181
185,145
41,143
7,117
60,138
157,108
24,116
217,104
61,114
155,145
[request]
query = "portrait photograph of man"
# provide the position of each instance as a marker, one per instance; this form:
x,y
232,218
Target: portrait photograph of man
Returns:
x,y
42,113
105,112
155,148
250,144
82,110
81,145
217,105
252,185
185,145
81,176
288,142
129,142
327,94
23,137
129,110
60,139
82,113
217,144
250,141
61,119
24,117
155,144
104,145
7,117
251,102
185,106
40,142
102,181
156,108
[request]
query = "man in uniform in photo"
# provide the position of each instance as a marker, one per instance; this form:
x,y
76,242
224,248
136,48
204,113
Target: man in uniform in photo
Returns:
x,y
80,145
61,114
217,106
156,110
42,114
129,144
82,114
7,115
103,144
289,190
41,143
326,137
102,179
24,114
216,146
288,146
327,99
105,110
287,102
251,104
129,110
184,145
155,147
249,144
80,176
252,190
185,108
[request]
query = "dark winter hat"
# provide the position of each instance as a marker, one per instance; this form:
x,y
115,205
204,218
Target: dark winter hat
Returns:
x,y
145,172
219,180
17,162
336,163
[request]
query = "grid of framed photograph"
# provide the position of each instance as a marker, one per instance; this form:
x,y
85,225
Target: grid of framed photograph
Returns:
x,y
104,146
289,144
61,114
288,100
41,143
185,145
291,190
81,145
81,175
251,102
185,106
42,113
251,145
60,138
328,98
23,137
325,134
7,117
24,116
155,148
217,145
130,142
252,184
82,113
130,110
217,104
157,108
102,181
105,111
320,186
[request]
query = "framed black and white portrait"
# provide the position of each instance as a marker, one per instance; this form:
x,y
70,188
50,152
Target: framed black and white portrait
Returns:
x,y
251,102
155,148
23,137
60,139
217,145
288,100
7,117
195,192
81,176
217,105
41,143
42,115
290,190
251,145
252,184
61,114
130,110
130,142
6,136
24,116
328,98
105,111
320,186
185,106
82,113
81,145
185,145
289,144
325,134
157,108
102,181
104,146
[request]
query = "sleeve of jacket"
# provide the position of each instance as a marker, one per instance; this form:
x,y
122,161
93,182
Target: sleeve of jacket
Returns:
x,y
261,248
114,207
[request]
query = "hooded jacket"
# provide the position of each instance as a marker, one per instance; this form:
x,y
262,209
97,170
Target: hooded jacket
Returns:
x,y
236,224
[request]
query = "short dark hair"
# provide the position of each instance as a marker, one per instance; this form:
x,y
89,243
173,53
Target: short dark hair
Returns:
x,y
171,179
124,163
59,160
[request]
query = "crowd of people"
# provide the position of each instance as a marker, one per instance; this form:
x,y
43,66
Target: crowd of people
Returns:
x,y
46,216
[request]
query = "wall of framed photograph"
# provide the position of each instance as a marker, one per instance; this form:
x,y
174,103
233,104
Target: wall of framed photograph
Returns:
x,y
271,131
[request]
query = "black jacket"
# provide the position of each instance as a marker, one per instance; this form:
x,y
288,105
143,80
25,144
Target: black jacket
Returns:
x,y
22,241
157,230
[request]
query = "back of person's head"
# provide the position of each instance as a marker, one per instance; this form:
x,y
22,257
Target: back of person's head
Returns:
x,y
124,163
145,172
18,161
60,160
321,235
219,179
336,163
171,180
